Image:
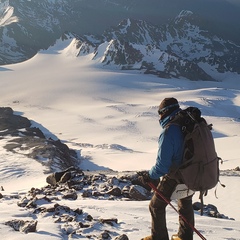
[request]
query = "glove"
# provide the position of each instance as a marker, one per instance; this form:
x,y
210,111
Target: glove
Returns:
x,y
144,177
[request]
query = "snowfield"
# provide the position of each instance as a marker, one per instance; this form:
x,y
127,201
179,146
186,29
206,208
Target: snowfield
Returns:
x,y
110,118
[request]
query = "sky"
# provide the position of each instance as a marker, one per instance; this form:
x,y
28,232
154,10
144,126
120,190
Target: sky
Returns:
x,y
235,2
110,118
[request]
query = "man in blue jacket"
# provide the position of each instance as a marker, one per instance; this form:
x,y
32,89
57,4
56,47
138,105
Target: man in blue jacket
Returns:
x,y
169,157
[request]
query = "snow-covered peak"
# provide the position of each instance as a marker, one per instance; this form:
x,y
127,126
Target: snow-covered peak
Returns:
x,y
3,6
7,14
184,14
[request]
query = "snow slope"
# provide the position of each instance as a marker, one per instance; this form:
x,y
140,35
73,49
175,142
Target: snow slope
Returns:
x,y
111,118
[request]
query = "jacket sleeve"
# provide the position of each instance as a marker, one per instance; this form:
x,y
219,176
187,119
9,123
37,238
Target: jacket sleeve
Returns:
x,y
169,151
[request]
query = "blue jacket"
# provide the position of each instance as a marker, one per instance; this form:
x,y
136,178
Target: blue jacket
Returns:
x,y
170,148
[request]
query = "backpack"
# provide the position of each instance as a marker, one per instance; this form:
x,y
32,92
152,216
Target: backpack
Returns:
x,y
199,170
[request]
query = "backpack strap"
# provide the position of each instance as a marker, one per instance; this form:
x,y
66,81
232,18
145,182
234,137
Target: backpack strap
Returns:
x,y
201,194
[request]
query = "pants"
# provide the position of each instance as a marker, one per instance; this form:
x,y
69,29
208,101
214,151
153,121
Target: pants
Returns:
x,y
157,209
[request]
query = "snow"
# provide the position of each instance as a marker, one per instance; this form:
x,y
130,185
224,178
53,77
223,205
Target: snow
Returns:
x,y
111,116
7,16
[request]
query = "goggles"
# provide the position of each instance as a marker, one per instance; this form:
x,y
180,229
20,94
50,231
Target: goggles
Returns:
x,y
164,110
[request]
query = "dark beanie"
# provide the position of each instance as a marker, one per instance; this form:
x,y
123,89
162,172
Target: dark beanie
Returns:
x,y
167,106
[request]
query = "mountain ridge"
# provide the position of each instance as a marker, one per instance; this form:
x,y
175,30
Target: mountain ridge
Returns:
x,y
182,46
179,49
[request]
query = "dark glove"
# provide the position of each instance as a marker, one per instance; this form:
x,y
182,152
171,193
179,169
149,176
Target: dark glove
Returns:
x,y
144,177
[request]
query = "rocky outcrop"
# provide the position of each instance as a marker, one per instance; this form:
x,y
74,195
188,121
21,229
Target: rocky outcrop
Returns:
x,y
210,210
56,155
48,202
22,225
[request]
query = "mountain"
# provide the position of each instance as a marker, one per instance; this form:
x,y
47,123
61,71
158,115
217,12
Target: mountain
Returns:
x,y
147,36
177,49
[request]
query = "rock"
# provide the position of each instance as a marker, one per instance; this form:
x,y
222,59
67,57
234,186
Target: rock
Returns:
x,y
211,207
139,193
237,169
29,226
78,211
51,179
59,177
23,202
89,218
105,235
115,191
86,194
82,225
72,194
197,206
122,237
113,181
65,177
78,223
23,226
109,221
209,210
56,155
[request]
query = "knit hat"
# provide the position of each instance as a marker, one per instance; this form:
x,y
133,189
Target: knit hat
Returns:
x,y
167,106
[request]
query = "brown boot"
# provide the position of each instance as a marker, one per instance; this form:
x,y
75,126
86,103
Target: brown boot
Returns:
x,y
147,238
175,237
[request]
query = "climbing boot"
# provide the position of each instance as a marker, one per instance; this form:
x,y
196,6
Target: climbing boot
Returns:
x,y
175,237
147,238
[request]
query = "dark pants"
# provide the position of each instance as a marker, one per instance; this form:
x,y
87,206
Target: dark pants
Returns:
x,y
157,208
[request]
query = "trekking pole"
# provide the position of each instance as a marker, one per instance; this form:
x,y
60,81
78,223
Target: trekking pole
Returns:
x,y
180,215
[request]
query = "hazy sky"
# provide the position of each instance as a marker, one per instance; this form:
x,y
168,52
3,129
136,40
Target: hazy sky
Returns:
x,y
236,2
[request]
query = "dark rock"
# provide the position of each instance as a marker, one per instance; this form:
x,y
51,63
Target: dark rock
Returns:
x,y
11,123
70,195
115,191
212,207
65,177
23,226
29,226
109,221
209,210
197,206
51,179
97,194
59,177
237,169
78,211
139,193
82,225
86,194
122,237
56,154
105,235
89,218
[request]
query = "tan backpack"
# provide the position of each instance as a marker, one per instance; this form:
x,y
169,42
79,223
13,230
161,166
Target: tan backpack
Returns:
x,y
200,165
